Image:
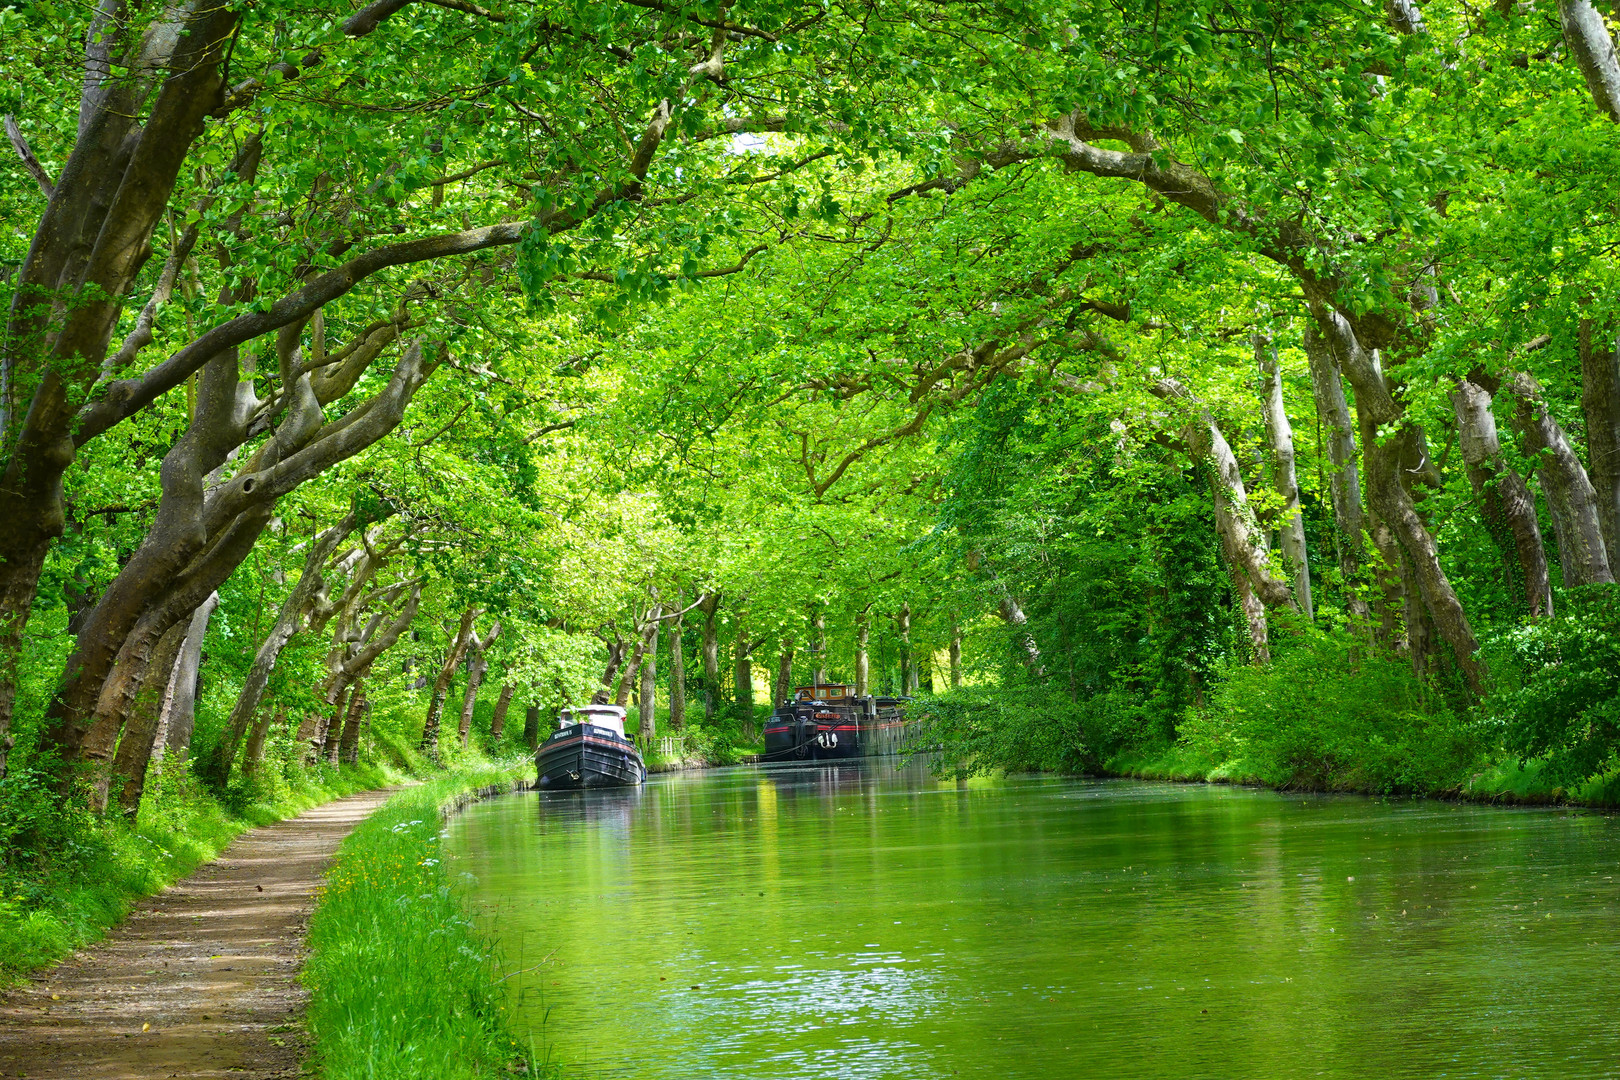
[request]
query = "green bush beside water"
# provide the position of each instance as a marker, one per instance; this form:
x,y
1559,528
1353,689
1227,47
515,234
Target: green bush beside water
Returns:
x,y
402,984
1332,713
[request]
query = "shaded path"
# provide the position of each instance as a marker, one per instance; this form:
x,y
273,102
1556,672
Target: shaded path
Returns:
x,y
208,968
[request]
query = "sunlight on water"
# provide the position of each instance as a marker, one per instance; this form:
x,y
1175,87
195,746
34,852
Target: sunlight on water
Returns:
x,y
861,921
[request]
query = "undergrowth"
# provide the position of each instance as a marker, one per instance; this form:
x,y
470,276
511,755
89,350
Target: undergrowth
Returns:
x,y
403,986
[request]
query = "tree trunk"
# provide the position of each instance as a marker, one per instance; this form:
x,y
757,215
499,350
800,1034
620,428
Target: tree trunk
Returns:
x,y
142,727
475,678
1571,499
348,751
1593,49
782,688
710,606
925,670
1394,506
217,769
743,674
863,667
956,656
677,666
441,685
531,728
1292,527
1506,504
610,674
1344,483
908,675
253,755
818,628
647,707
1255,622
330,733
182,707
497,721
1600,401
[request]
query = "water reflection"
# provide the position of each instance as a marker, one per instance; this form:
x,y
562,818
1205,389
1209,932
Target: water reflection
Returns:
x,y
857,921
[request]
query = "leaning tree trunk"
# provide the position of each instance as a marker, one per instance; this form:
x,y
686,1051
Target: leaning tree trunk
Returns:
x,y
141,729
182,707
677,667
1506,503
1571,499
1256,626
1587,36
497,720
330,730
441,685
1394,507
253,754
348,748
475,678
217,768
647,707
863,662
1600,401
710,606
1292,529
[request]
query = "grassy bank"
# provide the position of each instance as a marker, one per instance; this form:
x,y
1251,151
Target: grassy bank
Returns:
x,y
402,984
97,867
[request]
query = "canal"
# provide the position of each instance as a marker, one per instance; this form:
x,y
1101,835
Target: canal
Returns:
x,y
865,921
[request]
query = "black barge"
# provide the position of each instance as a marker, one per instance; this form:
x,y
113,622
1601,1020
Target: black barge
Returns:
x,y
828,722
589,750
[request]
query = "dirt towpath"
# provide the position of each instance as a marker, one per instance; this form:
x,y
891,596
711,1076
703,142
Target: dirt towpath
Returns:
x,y
199,981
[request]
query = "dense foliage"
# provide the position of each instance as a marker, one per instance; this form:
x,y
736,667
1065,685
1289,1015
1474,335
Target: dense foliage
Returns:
x,y
1231,382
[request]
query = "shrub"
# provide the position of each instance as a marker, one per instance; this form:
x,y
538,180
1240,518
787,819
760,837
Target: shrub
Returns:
x,y
1332,712
1558,686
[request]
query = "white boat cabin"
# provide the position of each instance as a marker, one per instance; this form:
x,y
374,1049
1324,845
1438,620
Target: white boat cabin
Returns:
x,y
602,716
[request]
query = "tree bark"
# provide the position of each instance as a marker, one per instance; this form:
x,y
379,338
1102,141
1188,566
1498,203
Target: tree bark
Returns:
x,y
925,670
531,728
782,688
217,768
182,706
330,729
1571,499
1393,505
818,629
141,730
1344,482
710,606
497,721
863,666
475,678
253,754
616,650
908,675
348,751
743,673
647,707
1255,622
677,666
956,656
1506,503
441,685
1600,402
1281,433
1589,42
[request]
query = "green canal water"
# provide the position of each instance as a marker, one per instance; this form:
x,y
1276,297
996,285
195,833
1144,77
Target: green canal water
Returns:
x,y
864,922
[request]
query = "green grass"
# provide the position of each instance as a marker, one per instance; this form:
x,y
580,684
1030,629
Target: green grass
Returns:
x,y
90,870
403,986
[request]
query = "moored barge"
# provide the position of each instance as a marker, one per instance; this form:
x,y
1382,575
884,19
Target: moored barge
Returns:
x,y
828,722
589,750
